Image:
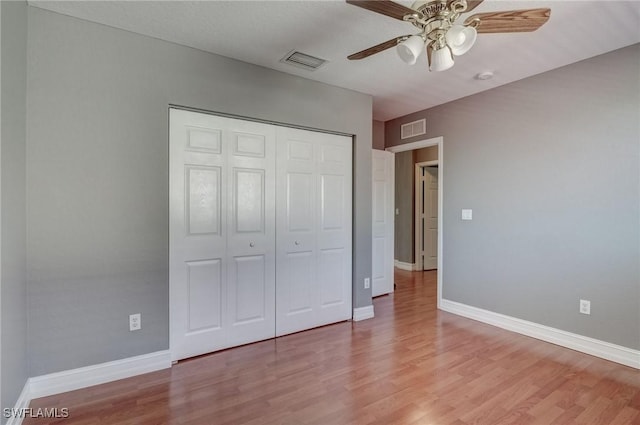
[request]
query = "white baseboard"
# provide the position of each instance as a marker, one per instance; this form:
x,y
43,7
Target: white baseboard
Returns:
x,y
594,347
21,405
363,313
69,380
404,266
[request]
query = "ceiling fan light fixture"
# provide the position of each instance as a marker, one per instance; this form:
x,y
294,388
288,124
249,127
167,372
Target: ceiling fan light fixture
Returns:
x,y
410,49
441,59
460,39
439,33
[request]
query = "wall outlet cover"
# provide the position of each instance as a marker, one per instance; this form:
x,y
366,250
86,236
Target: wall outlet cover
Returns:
x,y
585,306
135,322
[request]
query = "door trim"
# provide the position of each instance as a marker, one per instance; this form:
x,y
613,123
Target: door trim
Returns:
x,y
278,125
418,258
258,120
435,141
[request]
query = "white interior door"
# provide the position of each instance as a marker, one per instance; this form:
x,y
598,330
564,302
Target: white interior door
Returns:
x,y
222,233
430,218
383,222
313,245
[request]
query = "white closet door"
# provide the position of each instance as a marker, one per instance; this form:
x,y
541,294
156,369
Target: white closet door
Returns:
x,y
314,255
222,278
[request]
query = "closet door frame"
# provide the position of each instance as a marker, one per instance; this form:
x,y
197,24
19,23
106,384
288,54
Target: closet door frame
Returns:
x,y
227,212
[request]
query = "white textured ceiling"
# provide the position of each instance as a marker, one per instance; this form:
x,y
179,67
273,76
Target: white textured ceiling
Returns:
x,y
262,32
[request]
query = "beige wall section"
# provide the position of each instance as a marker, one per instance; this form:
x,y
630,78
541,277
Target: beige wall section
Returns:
x,y
426,154
378,135
404,205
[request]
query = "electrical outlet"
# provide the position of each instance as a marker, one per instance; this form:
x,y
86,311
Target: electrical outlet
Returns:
x,y
135,322
367,283
585,307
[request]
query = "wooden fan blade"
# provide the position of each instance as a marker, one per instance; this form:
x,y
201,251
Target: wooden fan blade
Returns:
x,y
472,4
377,48
384,7
510,21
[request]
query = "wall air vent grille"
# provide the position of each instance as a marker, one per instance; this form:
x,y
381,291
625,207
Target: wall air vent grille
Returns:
x,y
302,60
412,129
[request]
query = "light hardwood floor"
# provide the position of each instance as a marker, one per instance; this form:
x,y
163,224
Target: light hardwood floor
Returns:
x,y
411,364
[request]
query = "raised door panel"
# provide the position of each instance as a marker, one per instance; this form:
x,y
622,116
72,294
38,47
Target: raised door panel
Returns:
x,y
249,203
250,307
249,291
378,213
248,144
297,283
204,289
299,209
203,193
379,250
332,203
331,270
208,140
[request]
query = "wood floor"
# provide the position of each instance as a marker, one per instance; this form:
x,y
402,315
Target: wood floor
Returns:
x,y
411,364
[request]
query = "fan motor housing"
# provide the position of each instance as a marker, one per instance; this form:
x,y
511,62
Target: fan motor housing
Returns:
x,y
430,9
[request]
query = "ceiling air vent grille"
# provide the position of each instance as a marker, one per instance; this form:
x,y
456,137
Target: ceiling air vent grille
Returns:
x,y
302,60
412,129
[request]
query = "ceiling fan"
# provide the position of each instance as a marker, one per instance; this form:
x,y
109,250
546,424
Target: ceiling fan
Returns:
x,y
439,32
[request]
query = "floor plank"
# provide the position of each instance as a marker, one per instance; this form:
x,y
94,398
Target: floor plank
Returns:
x,y
411,364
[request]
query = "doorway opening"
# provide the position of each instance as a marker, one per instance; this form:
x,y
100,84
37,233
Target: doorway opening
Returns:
x,y
418,263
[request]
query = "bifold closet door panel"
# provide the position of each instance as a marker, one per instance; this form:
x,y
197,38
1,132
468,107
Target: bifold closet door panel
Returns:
x,y
251,232
313,260
334,228
222,233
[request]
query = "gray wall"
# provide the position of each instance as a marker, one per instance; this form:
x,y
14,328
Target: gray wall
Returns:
x,y
98,176
13,174
550,166
404,187
378,135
